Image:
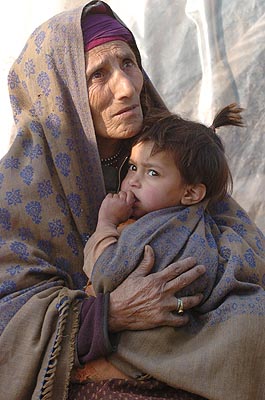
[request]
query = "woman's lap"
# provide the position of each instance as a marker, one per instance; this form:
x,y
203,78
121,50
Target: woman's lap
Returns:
x,y
120,389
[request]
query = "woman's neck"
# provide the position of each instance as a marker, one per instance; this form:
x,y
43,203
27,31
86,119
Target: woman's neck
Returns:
x,y
108,147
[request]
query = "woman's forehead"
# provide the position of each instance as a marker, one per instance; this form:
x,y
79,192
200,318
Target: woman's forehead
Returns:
x,y
104,53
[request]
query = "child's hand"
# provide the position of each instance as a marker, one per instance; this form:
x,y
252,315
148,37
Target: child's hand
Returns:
x,y
116,208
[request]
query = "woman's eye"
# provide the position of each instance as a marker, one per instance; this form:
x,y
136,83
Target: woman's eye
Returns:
x,y
152,172
132,167
127,63
96,75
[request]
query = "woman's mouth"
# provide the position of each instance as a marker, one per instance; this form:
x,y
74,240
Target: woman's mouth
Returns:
x,y
127,110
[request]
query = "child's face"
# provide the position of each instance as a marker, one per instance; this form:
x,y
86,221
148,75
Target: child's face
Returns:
x,y
154,180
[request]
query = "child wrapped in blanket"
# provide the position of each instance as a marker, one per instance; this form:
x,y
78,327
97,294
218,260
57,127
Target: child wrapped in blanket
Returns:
x,y
173,163
175,193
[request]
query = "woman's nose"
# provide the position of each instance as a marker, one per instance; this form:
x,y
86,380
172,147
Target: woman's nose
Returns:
x,y
122,85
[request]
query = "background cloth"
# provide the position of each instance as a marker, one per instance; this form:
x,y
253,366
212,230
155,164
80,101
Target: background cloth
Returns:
x,y
200,55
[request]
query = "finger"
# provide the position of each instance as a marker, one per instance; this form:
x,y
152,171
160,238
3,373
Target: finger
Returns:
x,y
122,195
177,268
130,197
191,301
172,304
175,320
116,195
187,303
146,264
186,278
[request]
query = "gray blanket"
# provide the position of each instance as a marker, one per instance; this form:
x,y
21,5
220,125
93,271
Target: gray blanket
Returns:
x,y
225,331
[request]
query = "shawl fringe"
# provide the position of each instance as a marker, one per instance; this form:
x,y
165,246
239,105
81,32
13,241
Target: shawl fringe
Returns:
x,y
47,387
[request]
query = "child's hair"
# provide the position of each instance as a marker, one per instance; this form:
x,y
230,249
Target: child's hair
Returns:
x,y
197,150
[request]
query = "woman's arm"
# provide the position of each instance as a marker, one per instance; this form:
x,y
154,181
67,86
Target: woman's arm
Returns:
x,y
142,301
93,339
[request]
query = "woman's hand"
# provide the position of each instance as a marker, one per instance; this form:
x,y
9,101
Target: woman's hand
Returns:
x,y
144,301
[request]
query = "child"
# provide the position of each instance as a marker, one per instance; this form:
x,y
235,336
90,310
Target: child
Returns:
x,y
174,162
176,169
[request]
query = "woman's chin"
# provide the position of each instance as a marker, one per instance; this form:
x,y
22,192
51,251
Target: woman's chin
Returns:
x,y
130,129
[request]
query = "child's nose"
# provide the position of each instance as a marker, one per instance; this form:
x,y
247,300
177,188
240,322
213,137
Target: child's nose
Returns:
x,y
134,181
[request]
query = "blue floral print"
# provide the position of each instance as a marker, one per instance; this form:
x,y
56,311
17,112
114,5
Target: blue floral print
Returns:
x,y
20,249
45,245
36,127
74,202
13,80
44,83
45,189
14,197
11,162
1,179
63,162
53,123
27,174
14,270
25,234
56,228
5,219
33,209
29,68
39,41
250,258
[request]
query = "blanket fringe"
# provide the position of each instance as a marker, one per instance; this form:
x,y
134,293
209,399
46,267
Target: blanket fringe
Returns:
x,y
48,380
76,310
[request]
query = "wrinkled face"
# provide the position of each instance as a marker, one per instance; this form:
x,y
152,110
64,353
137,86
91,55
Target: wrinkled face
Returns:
x,y
114,86
154,180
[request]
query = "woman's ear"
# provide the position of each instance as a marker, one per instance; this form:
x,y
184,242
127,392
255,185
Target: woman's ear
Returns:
x,y
193,194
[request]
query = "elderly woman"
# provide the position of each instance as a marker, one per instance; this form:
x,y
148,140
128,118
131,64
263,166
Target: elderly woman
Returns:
x,y
78,94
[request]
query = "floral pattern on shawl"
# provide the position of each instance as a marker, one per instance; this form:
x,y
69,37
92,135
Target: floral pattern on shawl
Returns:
x,y
50,194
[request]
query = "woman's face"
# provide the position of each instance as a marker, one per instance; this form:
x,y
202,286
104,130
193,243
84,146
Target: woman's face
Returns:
x,y
114,86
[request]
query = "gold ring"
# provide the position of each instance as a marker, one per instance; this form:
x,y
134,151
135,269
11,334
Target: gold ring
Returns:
x,y
180,307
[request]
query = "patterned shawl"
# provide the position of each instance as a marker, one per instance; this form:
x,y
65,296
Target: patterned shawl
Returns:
x,y
220,353
51,188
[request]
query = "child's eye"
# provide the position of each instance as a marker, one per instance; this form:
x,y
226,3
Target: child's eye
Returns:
x,y
132,167
152,172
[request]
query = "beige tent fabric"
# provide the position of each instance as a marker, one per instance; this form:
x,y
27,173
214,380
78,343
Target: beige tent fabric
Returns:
x,y
46,218
204,55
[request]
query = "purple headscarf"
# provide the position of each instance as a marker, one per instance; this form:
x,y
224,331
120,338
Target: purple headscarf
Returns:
x,y
102,28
